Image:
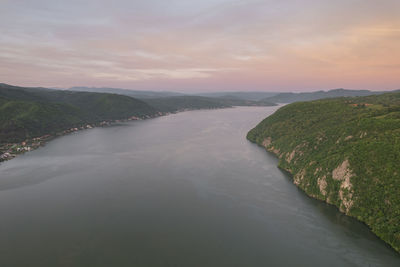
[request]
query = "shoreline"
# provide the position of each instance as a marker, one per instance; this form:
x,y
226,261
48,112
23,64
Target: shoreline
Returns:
x,y
290,174
9,151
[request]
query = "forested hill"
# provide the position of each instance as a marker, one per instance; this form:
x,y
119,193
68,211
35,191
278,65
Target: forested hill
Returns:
x,y
345,151
172,101
127,92
31,112
143,94
178,103
309,96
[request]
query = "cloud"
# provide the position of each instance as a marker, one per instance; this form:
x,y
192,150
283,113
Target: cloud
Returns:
x,y
270,44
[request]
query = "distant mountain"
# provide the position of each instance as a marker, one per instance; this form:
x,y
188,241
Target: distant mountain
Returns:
x,y
254,96
236,101
296,97
219,98
127,92
179,103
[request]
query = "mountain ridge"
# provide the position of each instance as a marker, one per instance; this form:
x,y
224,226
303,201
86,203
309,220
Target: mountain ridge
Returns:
x,y
309,96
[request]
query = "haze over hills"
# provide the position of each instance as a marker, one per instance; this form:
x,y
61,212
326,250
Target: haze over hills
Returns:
x,y
265,97
238,98
309,96
181,103
128,92
178,101
255,96
345,151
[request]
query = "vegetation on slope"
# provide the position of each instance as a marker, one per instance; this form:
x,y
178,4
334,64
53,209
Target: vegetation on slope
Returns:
x,y
253,96
235,101
344,151
31,112
295,97
132,93
179,103
172,101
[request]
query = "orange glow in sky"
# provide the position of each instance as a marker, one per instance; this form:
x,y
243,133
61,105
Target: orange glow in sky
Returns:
x,y
208,45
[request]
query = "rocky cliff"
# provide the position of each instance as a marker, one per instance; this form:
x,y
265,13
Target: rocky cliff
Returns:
x,y
344,151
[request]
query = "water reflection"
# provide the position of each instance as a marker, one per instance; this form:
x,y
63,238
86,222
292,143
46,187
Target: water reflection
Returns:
x,y
182,190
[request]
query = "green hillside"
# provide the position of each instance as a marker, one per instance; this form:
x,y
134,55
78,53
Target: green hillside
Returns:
x,y
235,101
23,119
142,94
309,96
31,112
179,103
345,151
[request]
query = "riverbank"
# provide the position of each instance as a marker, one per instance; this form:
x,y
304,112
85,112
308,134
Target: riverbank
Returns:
x,y
345,152
9,151
294,177
189,182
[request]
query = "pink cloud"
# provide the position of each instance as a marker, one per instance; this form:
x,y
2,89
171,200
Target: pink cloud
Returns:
x,y
201,45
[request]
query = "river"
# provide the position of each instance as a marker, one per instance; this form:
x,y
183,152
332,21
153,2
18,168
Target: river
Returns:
x,y
182,190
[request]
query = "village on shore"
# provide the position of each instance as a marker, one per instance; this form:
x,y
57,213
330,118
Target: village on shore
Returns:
x,y
11,150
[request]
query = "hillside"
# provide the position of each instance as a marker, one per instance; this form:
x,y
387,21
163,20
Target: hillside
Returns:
x,y
344,151
132,93
296,97
180,103
143,94
254,96
236,101
172,101
31,112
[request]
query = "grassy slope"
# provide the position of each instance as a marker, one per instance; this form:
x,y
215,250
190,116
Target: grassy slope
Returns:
x,y
344,151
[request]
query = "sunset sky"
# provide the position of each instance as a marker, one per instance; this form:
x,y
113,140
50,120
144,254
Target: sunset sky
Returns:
x,y
201,45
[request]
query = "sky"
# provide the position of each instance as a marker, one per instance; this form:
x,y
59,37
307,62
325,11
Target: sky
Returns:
x,y
201,45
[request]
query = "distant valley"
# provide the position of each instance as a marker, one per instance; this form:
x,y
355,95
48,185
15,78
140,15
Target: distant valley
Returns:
x,y
34,115
31,116
342,147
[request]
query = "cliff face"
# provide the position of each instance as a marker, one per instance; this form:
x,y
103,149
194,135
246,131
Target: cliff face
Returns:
x,y
344,151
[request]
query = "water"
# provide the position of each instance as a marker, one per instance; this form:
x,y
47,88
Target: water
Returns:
x,y
181,190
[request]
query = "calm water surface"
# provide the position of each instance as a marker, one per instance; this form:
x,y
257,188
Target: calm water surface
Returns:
x,y
182,190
